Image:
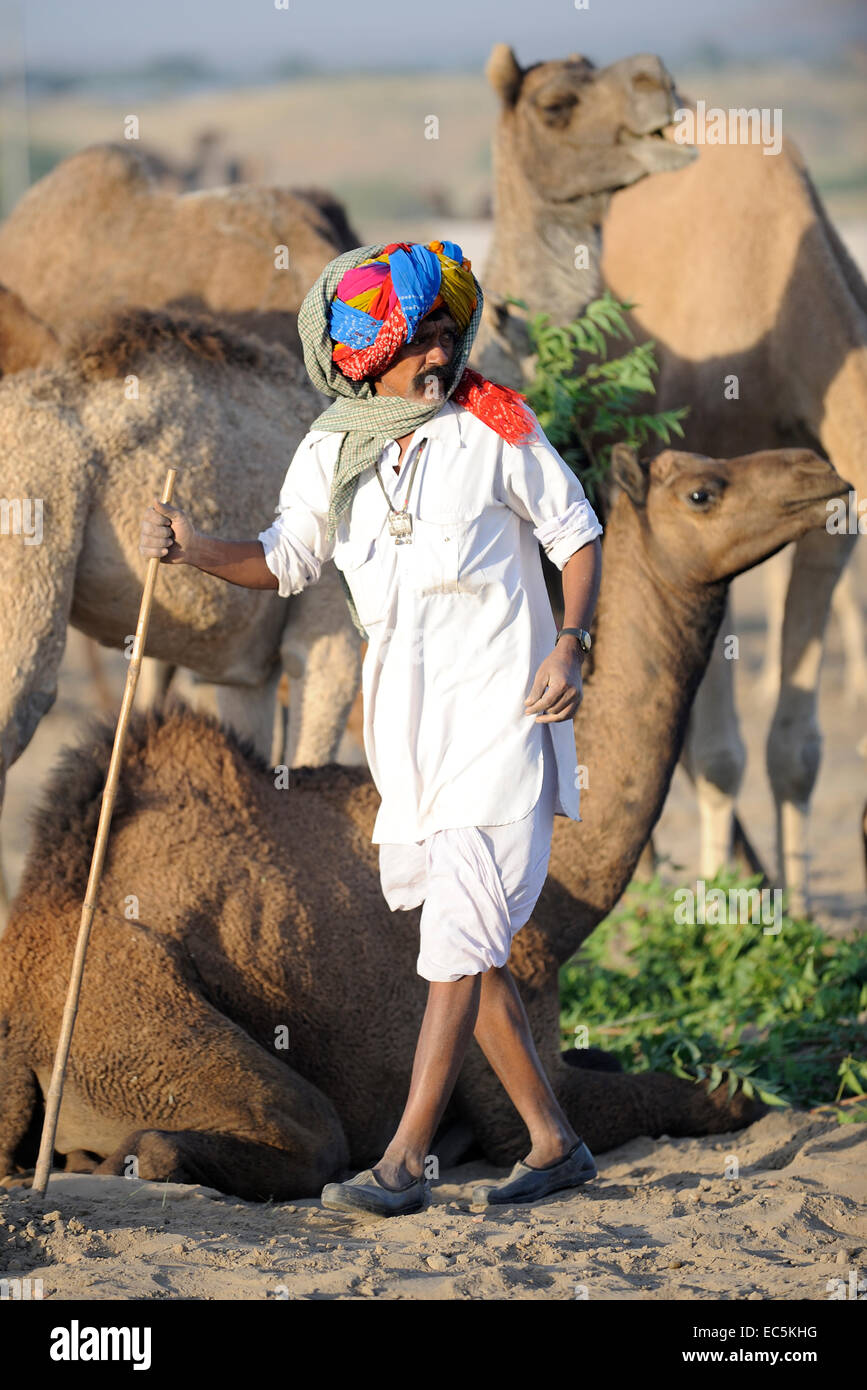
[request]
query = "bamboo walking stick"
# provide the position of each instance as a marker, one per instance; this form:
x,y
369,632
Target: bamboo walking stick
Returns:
x,y
55,1089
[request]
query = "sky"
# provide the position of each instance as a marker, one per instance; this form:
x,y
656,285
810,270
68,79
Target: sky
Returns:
x,y
243,36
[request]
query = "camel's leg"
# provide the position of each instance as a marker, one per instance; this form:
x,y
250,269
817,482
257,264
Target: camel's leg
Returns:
x,y
281,723
222,1109
36,584
97,673
321,655
247,709
794,745
847,610
606,1108
610,1108
745,856
154,679
80,1161
240,1166
320,703
32,650
19,1105
776,574
241,1120
714,755
591,1059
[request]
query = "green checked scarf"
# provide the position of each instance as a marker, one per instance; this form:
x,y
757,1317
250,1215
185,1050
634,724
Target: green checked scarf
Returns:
x,y
367,421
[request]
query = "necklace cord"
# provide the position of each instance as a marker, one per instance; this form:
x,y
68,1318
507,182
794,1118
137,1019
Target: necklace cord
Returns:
x,y
418,454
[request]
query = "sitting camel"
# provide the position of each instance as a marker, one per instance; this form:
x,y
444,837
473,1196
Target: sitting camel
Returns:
x,y
244,254
783,315
250,1004
85,443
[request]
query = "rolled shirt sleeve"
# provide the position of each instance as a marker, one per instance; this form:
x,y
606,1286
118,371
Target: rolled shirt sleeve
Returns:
x,y
542,489
295,544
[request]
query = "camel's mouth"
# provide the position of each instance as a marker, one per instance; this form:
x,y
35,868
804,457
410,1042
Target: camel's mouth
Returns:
x,y
656,151
629,137
651,152
797,504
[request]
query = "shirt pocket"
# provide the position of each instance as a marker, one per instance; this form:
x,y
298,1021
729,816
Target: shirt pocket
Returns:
x,y
445,557
360,564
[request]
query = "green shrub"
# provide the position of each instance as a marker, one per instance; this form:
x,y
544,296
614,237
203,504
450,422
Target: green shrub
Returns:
x,y
585,412
780,1015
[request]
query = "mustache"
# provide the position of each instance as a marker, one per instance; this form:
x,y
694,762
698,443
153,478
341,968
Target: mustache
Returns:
x,y
438,373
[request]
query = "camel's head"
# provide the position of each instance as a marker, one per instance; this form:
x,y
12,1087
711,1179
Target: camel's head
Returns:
x,y
574,130
705,520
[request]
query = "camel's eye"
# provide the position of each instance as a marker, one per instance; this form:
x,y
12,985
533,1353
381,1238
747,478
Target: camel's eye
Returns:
x,y
643,82
557,110
701,496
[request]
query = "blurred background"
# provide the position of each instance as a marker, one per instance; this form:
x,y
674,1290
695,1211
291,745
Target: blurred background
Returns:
x,y
335,94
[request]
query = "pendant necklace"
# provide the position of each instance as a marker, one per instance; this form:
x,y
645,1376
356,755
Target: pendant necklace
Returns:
x,y
400,521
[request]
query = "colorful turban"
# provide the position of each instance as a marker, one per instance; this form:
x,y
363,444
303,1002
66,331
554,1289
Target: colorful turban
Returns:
x,y
379,303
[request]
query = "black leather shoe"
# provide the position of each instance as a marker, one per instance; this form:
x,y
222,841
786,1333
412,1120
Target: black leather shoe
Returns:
x,y
365,1192
526,1184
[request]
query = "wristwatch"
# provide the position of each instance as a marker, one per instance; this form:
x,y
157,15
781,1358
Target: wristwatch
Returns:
x,y
584,641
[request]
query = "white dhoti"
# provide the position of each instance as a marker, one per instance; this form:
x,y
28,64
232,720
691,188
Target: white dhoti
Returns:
x,y
479,885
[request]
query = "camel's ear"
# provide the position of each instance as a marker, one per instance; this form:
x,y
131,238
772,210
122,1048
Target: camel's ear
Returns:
x,y
629,474
25,340
504,73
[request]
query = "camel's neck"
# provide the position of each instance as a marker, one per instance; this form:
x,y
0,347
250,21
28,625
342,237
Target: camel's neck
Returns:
x,y
652,645
536,254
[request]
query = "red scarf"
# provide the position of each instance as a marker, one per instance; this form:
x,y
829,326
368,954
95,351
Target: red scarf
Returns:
x,y
497,406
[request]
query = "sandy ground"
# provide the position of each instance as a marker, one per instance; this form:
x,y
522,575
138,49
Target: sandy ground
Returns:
x,y
661,1221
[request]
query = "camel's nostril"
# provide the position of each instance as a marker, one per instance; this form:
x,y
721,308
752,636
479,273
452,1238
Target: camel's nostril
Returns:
x,y
813,468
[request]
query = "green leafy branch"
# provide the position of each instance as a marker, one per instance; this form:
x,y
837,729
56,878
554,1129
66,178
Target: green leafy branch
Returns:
x,y
780,1016
585,409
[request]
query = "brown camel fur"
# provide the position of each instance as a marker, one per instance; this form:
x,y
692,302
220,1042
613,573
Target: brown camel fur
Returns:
x,y
25,341
91,438
784,311
250,1005
737,272
118,238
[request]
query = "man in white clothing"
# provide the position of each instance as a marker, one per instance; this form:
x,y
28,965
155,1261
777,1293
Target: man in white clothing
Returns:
x,y
431,492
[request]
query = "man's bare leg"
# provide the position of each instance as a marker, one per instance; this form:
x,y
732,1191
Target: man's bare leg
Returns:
x,y
503,1033
443,1039
490,1006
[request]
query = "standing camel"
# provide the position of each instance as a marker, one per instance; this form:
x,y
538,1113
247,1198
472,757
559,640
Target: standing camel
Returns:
x,y
244,254
736,272
250,1025
84,445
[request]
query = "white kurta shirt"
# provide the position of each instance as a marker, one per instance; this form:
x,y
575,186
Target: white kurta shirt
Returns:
x,y
458,620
